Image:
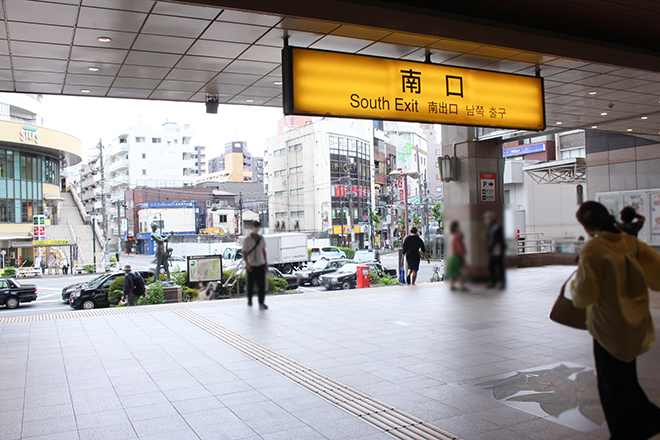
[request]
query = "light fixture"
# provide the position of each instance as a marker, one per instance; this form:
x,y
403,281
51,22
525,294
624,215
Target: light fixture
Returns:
x,y
644,117
93,69
212,102
594,126
558,123
104,39
593,93
604,114
249,100
630,129
277,83
85,91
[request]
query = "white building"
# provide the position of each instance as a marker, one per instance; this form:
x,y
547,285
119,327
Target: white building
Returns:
x,y
319,177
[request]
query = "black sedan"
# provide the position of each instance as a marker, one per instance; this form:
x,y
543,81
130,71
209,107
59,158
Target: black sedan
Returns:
x,y
345,278
12,293
291,280
380,269
320,267
95,293
66,292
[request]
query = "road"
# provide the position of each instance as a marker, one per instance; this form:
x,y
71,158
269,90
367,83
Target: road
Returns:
x,y
49,288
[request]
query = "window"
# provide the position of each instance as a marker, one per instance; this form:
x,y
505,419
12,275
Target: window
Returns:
x,y
281,214
295,192
139,139
176,141
297,213
155,140
278,152
296,147
279,173
122,140
296,170
280,193
144,155
222,218
438,152
144,172
572,145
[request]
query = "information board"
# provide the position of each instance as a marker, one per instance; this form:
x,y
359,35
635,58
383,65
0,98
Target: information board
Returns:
x,y
204,268
323,83
487,187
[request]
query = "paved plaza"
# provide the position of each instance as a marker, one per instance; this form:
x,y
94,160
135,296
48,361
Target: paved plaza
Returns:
x,y
396,362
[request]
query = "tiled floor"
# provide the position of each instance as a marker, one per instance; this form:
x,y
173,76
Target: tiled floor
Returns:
x,y
155,375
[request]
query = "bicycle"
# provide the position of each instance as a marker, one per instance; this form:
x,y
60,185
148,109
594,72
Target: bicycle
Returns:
x,y
437,276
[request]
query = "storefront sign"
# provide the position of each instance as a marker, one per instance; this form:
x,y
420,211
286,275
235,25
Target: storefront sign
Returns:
x,y
50,242
487,187
322,83
29,134
527,149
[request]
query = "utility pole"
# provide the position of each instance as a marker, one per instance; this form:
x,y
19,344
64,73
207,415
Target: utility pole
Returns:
x,y
103,201
239,226
94,239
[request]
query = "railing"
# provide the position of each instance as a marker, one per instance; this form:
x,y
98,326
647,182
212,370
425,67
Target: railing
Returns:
x,y
76,199
537,245
81,256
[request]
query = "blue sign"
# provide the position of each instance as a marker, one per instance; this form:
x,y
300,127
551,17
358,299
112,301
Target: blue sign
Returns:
x,y
166,205
144,236
527,149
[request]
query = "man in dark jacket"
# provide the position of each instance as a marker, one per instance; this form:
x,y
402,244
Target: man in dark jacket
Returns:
x,y
129,286
496,248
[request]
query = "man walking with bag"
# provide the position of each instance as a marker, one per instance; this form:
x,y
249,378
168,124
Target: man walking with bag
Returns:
x,y
256,263
134,286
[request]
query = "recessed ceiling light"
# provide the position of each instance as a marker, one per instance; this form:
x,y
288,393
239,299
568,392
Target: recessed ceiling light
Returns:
x,y
249,100
104,39
593,93
645,117
594,126
85,90
604,114
630,129
558,123
277,83
93,69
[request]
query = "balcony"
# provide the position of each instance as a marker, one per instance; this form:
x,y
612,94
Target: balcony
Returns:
x,y
121,164
119,149
119,181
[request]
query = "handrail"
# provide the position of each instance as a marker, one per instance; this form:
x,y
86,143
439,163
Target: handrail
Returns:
x,y
76,199
81,256
537,246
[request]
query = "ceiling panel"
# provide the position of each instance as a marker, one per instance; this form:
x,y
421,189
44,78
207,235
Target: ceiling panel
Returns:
x,y
249,18
360,32
89,80
118,92
409,39
250,67
223,89
144,72
5,62
90,37
171,95
180,86
203,63
236,79
136,83
124,5
248,100
262,53
4,48
110,19
473,61
275,38
454,46
263,92
340,44
98,55
232,32
41,12
388,50
83,67
300,24
30,87
40,33
174,26
39,50
190,11
217,49
6,86
157,43
85,91
40,77
152,59
191,75
6,75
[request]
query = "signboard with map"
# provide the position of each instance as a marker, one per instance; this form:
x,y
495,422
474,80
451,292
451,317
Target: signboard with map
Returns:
x,y
204,268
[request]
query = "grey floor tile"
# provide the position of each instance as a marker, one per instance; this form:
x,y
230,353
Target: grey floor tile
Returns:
x,y
306,433
159,426
49,426
196,405
186,434
47,412
148,412
11,431
118,431
101,419
143,399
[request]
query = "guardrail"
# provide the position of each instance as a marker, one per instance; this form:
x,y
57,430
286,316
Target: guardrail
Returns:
x,y
548,245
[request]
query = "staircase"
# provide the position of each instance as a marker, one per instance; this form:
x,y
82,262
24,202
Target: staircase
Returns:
x,y
72,227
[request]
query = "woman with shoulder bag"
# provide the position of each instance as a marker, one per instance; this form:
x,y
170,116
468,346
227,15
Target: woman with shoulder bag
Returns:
x,y
615,272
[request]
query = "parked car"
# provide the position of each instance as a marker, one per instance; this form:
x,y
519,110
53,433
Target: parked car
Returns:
x,y
379,269
176,263
291,280
95,293
327,252
12,293
366,255
320,267
344,278
66,292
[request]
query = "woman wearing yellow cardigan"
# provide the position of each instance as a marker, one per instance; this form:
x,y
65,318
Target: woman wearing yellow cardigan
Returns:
x,y
614,275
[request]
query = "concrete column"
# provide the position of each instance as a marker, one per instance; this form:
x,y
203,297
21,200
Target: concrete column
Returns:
x,y
463,201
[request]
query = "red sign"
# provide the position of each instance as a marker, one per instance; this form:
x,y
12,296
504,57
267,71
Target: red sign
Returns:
x,y
487,187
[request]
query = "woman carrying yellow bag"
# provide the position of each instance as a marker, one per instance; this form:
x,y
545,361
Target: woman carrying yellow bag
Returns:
x,y
615,272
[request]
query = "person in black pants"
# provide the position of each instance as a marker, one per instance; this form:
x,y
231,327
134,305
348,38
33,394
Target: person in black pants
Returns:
x,y
256,263
496,247
411,247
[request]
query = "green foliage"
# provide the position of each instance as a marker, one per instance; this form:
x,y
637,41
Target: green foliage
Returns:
x,y
180,278
154,295
113,259
397,243
276,285
388,280
350,253
89,268
9,272
375,218
150,280
438,213
374,278
116,290
189,294
416,220
309,255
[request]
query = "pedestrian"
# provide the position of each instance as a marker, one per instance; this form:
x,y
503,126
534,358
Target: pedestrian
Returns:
x,y
631,222
496,248
43,266
51,265
65,266
614,275
183,254
133,285
256,263
117,256
456,258
411,250
56,264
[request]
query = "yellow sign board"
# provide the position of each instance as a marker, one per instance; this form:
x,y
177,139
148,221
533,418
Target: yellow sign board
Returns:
x,y
50,242
322,83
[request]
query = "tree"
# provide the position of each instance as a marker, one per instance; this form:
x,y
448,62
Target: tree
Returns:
x,y
375,218
438,213
415,219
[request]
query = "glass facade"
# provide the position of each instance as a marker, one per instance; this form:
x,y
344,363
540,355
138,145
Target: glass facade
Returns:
x,y
21,177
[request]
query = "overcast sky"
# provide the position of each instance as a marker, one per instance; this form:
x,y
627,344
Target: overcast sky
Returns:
x,y
91,119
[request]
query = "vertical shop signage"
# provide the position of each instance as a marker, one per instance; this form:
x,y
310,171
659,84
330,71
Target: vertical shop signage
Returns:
x,y
487,187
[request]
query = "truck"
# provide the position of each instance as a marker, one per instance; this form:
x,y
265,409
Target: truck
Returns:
x,y
286,252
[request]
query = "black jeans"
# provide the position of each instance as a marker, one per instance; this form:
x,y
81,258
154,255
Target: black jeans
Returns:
x,y
629,413
258,274
496,269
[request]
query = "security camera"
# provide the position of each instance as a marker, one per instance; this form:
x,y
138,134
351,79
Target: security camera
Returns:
x,y
212,102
